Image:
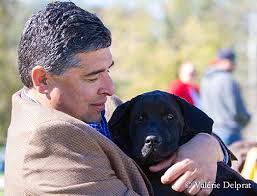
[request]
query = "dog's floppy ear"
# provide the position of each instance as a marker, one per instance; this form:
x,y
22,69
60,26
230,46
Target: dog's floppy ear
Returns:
x,y
196,121
119,126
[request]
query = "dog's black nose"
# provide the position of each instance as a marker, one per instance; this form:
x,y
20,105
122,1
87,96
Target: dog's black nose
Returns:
x,y
153,140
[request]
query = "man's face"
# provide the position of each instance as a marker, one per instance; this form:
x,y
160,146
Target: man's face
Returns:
x,y
230,65
82,91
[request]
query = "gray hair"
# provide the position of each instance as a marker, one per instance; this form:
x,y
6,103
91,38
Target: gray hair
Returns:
x,y
54,35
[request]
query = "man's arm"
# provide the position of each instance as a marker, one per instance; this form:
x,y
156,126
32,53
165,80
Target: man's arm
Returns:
x,y
65,160
195,161
228,156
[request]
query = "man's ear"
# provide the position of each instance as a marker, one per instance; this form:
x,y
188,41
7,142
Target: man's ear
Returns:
x,y
39,78
119,126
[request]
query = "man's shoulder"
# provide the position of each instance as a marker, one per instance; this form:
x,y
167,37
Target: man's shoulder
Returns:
x,y
177,87
219,76
28,115
33,123
176,84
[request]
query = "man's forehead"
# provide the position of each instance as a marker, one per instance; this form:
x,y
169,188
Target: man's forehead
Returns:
x,y
100,54
90,61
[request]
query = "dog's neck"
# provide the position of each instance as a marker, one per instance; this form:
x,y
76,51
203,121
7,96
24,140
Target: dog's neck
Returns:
x,y
149,173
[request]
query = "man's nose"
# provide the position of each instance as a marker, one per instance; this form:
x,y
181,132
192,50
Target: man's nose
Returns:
x,y
107,86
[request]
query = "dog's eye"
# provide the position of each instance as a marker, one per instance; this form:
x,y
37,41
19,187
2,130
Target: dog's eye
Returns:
x,y
170,116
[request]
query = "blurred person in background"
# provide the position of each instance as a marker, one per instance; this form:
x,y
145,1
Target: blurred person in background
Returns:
x,y
185,86
222,99
246,153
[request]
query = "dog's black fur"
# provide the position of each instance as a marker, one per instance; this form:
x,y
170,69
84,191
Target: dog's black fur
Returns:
x,y
150,127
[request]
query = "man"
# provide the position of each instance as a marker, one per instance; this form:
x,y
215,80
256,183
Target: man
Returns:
x,y
52,149
222,98
185,86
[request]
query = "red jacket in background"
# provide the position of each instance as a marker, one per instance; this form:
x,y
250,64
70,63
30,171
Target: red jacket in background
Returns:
x,y
183,90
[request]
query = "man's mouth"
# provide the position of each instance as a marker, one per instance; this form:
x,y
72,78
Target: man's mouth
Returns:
x,y
99,106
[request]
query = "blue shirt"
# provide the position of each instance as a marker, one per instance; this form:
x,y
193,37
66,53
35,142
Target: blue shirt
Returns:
x,y
102,126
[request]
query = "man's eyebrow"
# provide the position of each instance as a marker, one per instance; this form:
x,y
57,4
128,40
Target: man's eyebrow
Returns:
x,y
98,71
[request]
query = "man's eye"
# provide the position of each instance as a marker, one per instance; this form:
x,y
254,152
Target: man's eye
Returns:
x,y
92,79
170,116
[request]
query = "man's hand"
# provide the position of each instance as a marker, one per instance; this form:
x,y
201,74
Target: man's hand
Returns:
x,y
194,163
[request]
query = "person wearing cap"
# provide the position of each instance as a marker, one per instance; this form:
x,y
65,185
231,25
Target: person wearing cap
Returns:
x,y
222,99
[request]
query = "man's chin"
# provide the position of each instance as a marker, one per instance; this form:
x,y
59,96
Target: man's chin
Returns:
x,y
93,119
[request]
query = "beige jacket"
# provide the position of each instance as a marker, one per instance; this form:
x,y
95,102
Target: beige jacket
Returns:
x,y
51,153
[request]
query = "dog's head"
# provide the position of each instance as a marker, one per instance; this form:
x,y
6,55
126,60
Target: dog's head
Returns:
x,y
151,126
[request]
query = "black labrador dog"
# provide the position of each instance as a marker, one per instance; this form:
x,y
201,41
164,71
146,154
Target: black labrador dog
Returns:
x,y
150,128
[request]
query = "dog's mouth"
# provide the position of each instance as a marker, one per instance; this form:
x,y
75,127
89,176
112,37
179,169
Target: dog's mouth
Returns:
x,y
152,155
